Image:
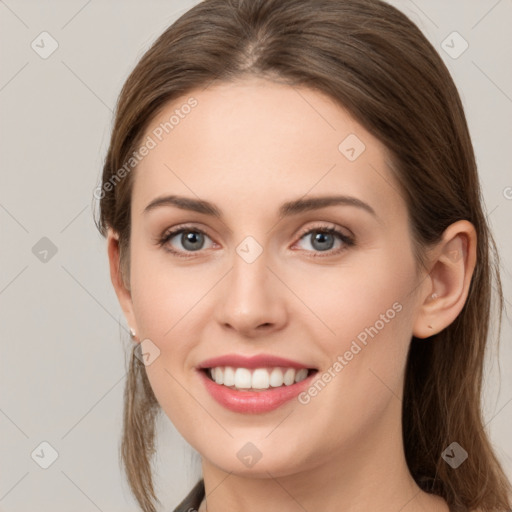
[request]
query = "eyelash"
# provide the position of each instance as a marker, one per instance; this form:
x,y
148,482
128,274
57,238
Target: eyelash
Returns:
x,y
347,240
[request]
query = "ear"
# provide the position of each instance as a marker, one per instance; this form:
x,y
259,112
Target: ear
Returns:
x,y
122,291
446,287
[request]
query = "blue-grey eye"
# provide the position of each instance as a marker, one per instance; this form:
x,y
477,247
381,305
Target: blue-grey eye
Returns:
x,y
192,240
323,241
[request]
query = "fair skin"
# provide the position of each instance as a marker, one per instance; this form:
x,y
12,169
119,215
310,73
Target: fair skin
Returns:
x,y
248,147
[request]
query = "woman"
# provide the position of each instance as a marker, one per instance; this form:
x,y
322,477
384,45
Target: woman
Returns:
x,y
307,377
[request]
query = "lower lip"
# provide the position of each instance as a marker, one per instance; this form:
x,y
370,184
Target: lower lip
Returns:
x,y
254,402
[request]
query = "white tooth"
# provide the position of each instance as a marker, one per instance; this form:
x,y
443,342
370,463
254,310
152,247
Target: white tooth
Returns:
x,y
243,378
276,378
229,376
301,374
289,376
219,375
260,379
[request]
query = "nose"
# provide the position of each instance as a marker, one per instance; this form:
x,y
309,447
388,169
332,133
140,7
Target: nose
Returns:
x,y
252,301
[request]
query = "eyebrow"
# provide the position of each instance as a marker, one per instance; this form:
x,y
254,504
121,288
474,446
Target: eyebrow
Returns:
x,y
286,210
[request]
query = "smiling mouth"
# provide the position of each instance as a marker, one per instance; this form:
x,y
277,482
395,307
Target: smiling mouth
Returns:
x,y
257,379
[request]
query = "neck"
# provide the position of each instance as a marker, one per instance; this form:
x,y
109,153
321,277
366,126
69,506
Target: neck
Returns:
x,y
370,474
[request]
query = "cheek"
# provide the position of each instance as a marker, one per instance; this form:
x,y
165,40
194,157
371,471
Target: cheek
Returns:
x,y
366,314
355,299
165,294
169,311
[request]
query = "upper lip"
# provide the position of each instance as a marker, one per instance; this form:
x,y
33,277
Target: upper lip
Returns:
x,y
257,361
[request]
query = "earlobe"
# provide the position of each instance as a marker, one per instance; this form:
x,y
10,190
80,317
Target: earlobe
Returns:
x,y
116,276
447,285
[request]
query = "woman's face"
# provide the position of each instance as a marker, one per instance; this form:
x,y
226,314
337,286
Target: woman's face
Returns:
x,y
253,282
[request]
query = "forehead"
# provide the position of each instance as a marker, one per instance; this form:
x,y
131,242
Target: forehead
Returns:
x,y
261,141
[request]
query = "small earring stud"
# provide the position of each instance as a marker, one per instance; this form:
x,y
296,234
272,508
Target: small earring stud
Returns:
x,y
132,333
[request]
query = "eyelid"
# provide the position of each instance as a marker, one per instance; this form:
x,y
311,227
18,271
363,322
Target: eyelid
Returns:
x,y
182,227
324,226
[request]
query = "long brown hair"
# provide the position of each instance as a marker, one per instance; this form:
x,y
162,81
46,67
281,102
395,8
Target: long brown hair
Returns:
x,y
372,60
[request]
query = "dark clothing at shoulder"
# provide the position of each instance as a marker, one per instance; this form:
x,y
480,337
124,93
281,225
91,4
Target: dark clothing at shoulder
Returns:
x,y
193,499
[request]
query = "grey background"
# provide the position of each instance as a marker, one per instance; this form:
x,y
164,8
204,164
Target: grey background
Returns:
x,y
63,334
